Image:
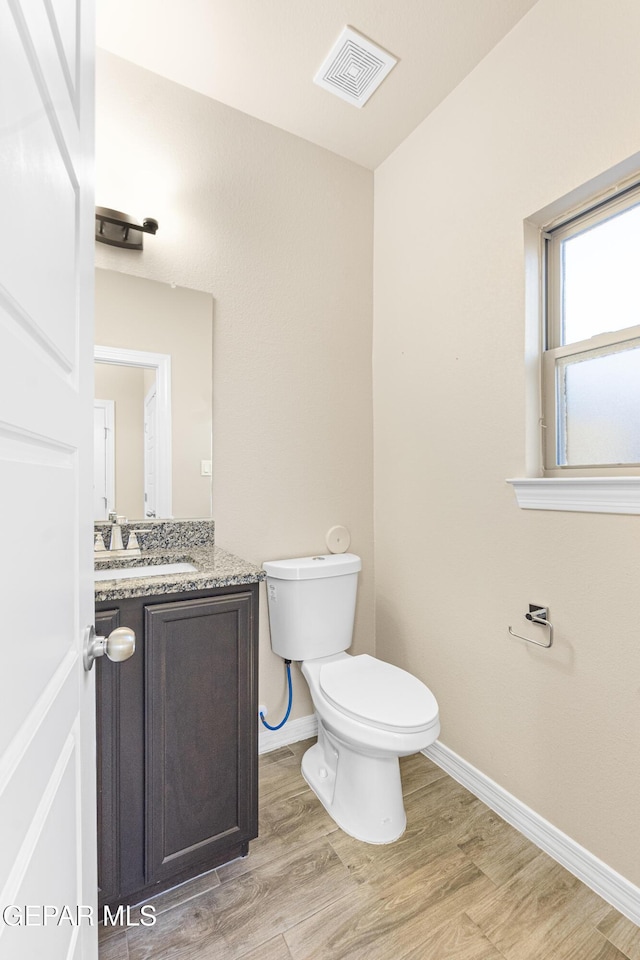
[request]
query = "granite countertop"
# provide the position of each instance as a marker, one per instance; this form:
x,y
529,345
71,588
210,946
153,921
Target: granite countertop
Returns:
x,y
189,541
216,568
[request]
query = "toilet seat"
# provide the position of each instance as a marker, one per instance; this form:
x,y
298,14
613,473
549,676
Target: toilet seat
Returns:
x,y
379,694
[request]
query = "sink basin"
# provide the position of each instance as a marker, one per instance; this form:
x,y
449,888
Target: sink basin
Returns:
x,y
151,570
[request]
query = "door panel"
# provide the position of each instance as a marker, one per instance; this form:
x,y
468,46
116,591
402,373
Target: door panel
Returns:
x,y
197,667
47,745
44,155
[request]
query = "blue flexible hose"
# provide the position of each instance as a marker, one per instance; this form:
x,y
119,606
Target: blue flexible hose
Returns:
x,y
286,716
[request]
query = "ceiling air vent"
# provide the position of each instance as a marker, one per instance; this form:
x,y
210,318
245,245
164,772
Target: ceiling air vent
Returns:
x,y
354,68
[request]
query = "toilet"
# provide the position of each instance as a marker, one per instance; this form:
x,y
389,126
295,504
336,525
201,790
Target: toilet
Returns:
x,y
369,712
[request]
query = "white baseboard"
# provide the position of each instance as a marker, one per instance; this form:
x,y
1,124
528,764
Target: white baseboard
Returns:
x,y
610,885
292,732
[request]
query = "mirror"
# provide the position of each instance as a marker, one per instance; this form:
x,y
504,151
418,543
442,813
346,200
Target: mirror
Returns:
x,y
153,407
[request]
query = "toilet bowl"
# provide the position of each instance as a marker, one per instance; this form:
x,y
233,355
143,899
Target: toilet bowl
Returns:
x,y
370,713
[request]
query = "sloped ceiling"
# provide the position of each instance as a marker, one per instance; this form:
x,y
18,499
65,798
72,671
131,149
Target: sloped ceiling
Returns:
x,y
260,56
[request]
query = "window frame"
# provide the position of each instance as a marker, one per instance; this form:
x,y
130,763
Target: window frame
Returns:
x,y
554,351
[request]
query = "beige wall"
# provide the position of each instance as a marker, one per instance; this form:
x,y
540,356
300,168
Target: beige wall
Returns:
x,y
141,314
280,232
555,104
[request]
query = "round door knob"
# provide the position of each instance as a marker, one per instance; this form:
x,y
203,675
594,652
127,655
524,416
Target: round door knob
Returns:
x,y
119,645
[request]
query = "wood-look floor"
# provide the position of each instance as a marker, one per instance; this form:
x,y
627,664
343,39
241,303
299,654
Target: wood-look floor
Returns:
x,y
461,884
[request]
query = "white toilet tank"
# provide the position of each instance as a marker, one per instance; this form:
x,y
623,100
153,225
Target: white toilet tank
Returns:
x,y
312,604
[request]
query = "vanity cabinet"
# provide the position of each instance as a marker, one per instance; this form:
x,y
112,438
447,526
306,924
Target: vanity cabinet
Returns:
x,y
177,739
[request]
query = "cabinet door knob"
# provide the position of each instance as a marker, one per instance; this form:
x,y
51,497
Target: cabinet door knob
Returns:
x,y
119,645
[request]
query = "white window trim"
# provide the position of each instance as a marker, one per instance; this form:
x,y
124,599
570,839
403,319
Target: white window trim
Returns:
x,y
555,351
586,494
581,494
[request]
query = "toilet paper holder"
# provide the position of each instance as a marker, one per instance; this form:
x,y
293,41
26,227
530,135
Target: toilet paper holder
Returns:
x,y
539,615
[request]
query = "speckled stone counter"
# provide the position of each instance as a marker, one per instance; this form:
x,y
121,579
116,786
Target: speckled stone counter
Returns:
x,y
163,534
163,542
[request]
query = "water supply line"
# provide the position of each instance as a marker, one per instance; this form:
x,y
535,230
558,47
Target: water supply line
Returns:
x,y
287,664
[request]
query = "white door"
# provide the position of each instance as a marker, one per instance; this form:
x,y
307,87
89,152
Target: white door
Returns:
x,y
47,730
150,454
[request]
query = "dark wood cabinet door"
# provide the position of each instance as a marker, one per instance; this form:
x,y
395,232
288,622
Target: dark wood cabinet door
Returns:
x,y
107,738
201,730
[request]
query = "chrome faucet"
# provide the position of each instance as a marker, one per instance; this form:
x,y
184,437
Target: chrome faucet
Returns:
x,y
115,542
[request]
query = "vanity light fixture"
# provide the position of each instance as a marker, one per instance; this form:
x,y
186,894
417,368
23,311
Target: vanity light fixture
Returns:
x,y
121,230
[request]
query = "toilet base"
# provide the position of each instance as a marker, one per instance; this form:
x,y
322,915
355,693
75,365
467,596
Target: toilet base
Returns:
x,y
363,794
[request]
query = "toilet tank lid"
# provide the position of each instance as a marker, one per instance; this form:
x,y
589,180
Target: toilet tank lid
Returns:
x,y
313,568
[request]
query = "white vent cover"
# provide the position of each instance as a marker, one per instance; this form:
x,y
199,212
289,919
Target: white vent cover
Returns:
x,y
354,68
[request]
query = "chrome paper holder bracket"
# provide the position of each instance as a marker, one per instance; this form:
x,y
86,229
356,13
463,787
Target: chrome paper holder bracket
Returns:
x,y
539,615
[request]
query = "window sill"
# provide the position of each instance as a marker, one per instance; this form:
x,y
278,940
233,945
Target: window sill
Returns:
x,y
583,494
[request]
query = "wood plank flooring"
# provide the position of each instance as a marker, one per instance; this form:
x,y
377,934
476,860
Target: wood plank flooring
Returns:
x,y
461,884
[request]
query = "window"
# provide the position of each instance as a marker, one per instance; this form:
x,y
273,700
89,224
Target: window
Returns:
x,y
591,360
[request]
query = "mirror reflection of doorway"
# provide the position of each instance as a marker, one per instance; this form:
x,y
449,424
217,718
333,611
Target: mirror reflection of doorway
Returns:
x,y
103,458
132,453
138,315
150,454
